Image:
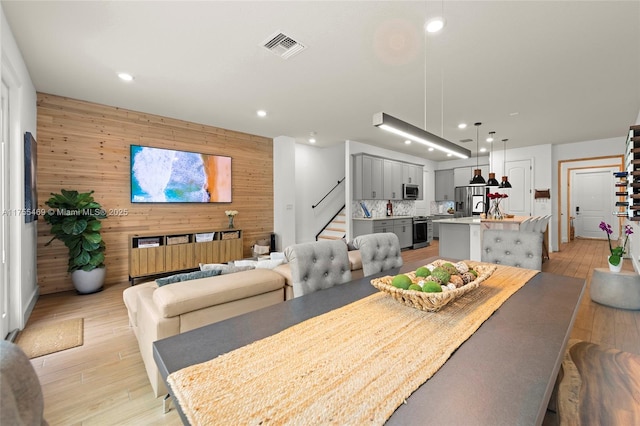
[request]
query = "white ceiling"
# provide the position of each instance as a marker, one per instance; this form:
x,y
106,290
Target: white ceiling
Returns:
x,y
570,69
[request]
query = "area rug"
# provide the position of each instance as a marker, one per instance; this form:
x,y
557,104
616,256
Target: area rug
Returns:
x,y
353,365
46,339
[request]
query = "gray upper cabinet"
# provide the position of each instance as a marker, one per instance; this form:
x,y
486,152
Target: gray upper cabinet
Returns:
x,y
462,176
367,177
392,180
377,178
445,188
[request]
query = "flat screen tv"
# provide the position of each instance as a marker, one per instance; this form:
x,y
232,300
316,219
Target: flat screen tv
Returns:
x,y
170,176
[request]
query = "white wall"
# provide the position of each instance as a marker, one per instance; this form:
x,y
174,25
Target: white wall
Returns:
x,y
317,171
284,194
22,282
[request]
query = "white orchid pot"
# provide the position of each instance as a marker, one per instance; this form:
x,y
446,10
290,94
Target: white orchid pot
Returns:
x,y
87,282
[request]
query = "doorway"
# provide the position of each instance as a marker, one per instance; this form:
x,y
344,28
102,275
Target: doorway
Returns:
x,y
592,200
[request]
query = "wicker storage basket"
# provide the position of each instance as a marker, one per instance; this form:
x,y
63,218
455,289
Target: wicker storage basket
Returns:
x,y
431,302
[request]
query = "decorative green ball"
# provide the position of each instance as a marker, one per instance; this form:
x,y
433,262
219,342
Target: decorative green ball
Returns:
x,y
401,281
432,287
441,274
415,287
423,272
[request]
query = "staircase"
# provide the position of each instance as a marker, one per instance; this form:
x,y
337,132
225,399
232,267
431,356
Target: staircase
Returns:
x,y
336,229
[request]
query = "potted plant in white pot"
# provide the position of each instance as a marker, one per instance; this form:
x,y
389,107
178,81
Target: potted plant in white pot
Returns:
x,y
75,220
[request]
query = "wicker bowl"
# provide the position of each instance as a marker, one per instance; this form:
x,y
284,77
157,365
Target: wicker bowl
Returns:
x,y
431,302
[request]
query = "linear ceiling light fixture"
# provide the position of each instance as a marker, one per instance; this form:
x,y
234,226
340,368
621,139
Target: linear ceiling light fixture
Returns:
x,y
416,134
477,173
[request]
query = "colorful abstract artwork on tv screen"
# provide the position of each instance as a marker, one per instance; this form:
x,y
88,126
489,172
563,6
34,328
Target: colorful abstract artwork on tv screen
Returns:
x,y
170,176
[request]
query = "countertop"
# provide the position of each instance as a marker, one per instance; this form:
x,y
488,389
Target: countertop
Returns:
x,y
383,218
460,221
515,219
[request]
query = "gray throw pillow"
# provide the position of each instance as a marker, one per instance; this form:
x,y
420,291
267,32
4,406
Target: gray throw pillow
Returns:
x,y
187,276
224,269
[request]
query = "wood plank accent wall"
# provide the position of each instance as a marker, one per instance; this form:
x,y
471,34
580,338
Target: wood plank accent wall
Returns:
x,y
85,146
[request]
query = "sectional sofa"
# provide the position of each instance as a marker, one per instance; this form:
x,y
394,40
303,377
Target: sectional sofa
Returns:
x,y
157,312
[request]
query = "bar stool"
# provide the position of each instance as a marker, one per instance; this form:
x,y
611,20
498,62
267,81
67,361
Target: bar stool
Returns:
x,y
541,226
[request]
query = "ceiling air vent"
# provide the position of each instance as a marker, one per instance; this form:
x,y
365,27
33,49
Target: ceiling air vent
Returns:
x,y
466,140
283,45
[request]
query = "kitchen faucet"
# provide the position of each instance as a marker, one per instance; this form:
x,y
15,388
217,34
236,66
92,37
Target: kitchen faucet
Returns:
x,y
478,203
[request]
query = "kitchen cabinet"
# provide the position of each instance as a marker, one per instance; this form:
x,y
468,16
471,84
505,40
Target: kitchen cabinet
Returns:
x,y
412,174
392,177
377,178
402,227
368,177
444,185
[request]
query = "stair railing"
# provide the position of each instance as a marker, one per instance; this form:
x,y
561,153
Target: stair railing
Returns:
x,y
327,194
327,224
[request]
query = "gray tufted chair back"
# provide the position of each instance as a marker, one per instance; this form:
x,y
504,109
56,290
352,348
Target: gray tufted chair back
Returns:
x,y
318,265
379,252
21,402
513,248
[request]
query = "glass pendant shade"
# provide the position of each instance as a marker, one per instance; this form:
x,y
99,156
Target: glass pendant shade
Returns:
x,y
492,180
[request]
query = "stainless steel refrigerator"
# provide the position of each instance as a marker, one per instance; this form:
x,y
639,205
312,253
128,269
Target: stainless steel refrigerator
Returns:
x,y
470,200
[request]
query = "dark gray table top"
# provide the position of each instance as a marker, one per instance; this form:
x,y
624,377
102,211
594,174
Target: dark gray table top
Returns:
x,y
502,375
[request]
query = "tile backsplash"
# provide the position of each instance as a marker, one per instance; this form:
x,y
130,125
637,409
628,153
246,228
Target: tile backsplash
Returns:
x,y
441,207
378,208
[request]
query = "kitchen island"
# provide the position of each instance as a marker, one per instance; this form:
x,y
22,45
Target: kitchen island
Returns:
x,y
461,238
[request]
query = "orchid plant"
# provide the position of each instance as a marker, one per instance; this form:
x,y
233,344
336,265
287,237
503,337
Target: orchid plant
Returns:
x,y
616,252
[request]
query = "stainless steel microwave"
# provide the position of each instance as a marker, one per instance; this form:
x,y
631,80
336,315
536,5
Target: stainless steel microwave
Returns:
x,y
410,191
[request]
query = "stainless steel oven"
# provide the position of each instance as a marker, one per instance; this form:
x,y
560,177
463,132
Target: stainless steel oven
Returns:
x,y
422,231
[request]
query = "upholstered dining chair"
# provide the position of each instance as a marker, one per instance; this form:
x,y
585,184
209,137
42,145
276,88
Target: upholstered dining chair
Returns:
x,y
528,223
513,248
318,265
379,252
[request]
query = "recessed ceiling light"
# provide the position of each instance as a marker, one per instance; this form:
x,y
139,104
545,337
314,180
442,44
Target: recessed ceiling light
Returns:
x,y
407,142
125,77
462,126
490,138
513,114
431,149
449,155
434,25
312,140
261,113
483,149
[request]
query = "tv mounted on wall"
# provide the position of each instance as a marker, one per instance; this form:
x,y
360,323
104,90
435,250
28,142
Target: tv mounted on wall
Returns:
x,y
171,176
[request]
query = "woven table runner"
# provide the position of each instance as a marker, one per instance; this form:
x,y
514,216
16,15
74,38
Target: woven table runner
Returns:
x,y
353,365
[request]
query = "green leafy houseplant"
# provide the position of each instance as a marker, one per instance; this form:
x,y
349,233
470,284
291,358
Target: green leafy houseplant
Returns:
x,y
75,220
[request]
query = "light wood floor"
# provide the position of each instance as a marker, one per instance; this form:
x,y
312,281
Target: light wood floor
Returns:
x,y
104,382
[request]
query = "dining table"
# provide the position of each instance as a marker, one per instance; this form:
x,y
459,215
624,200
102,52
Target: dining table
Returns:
x,y
503,374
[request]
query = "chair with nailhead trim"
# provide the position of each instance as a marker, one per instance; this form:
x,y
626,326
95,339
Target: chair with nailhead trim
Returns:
x,y
318,265
512,248
379,252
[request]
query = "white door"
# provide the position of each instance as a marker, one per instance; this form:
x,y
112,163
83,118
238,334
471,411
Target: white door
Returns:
x,y
519,201
592,201
4,237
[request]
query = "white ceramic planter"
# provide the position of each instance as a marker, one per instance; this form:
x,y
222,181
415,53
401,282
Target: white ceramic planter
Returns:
x,y
615,268
87,282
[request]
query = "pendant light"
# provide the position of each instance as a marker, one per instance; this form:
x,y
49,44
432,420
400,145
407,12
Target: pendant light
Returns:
x,y
492,176
505,179
477,173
